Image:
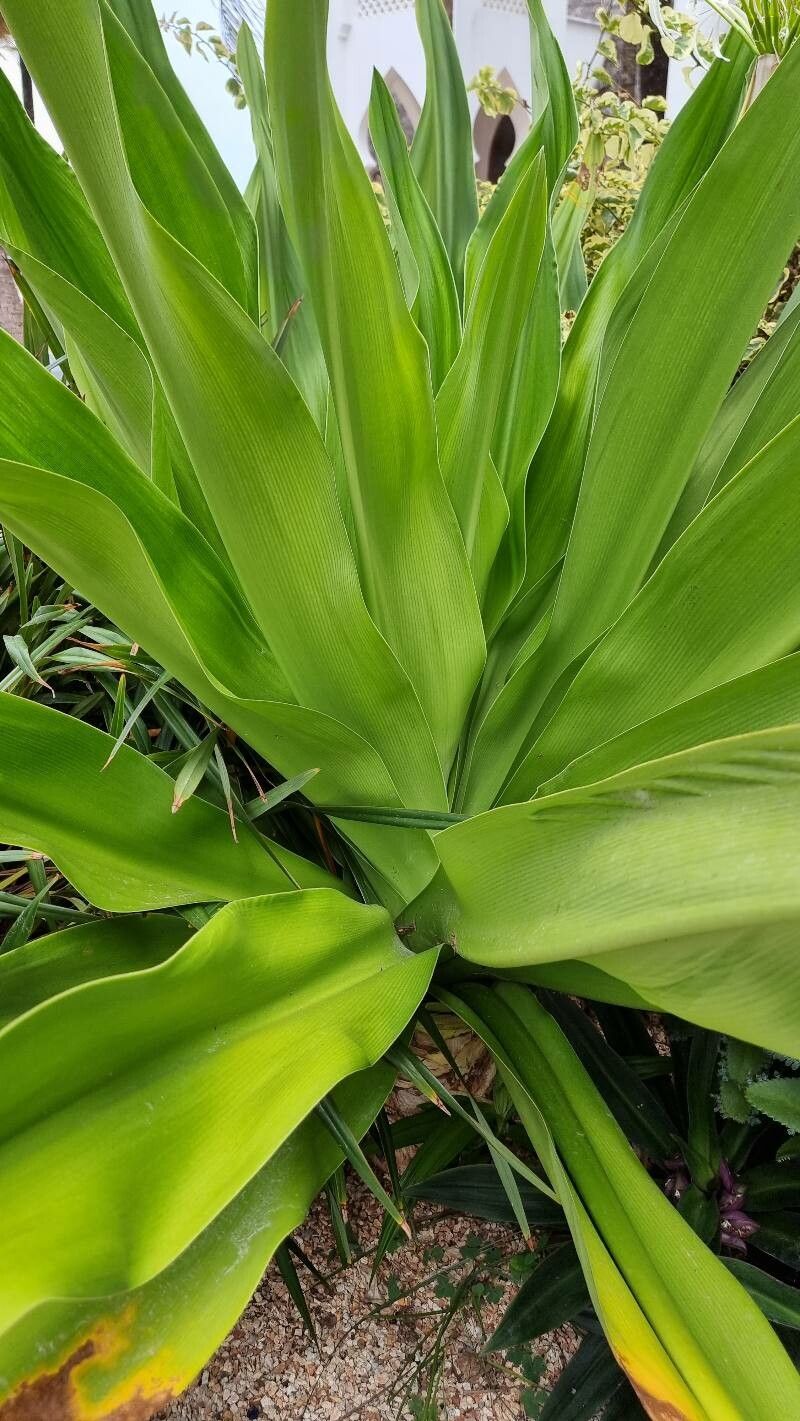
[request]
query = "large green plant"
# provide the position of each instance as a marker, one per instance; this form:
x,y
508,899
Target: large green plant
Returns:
x,y
531,613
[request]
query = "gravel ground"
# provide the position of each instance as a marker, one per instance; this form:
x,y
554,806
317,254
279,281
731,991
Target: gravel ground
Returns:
x,y
368,1345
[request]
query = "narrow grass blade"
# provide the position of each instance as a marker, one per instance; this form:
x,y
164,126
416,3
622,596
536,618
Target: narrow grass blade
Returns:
x,y
353,1152
141,705
193,771
17,648
288,1272
265,803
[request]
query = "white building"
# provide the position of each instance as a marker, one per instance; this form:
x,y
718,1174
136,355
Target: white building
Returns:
x,y
382,34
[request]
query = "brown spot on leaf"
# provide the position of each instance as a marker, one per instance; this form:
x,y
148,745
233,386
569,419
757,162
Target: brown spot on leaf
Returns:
x,y
48,1397
657,1409
52,1397
140,1408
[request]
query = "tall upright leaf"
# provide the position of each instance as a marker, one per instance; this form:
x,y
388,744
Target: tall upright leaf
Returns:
x,y
411,560
442,152
762,402
627,495
435,301
553,102
693,141
301,351
141,24
230,393
742,227
468,404
722,603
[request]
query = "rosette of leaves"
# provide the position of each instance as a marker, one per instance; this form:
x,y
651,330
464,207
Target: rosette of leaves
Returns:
x,y
537,639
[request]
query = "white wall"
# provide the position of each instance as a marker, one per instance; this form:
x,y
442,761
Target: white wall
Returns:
x,y
205,85
383,34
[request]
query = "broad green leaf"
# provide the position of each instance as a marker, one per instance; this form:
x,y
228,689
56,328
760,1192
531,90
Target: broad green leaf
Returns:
x,y
189,205
693,141
142,1347
531,382
778,1301
518,637
45,219
590,1380
71,530
413,568
111,533
354,764
758,700
723,603
54,964
65,527
779,1098
434,302
115,375
526,155
112,832
142,25
552,1295
476,1190
161,585
141,1104
525,409
530,387
469,401
60,230
762,402
682,893
442,152
696,1311
740,222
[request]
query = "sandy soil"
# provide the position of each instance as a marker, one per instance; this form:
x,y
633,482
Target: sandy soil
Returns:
x,y
369,1345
